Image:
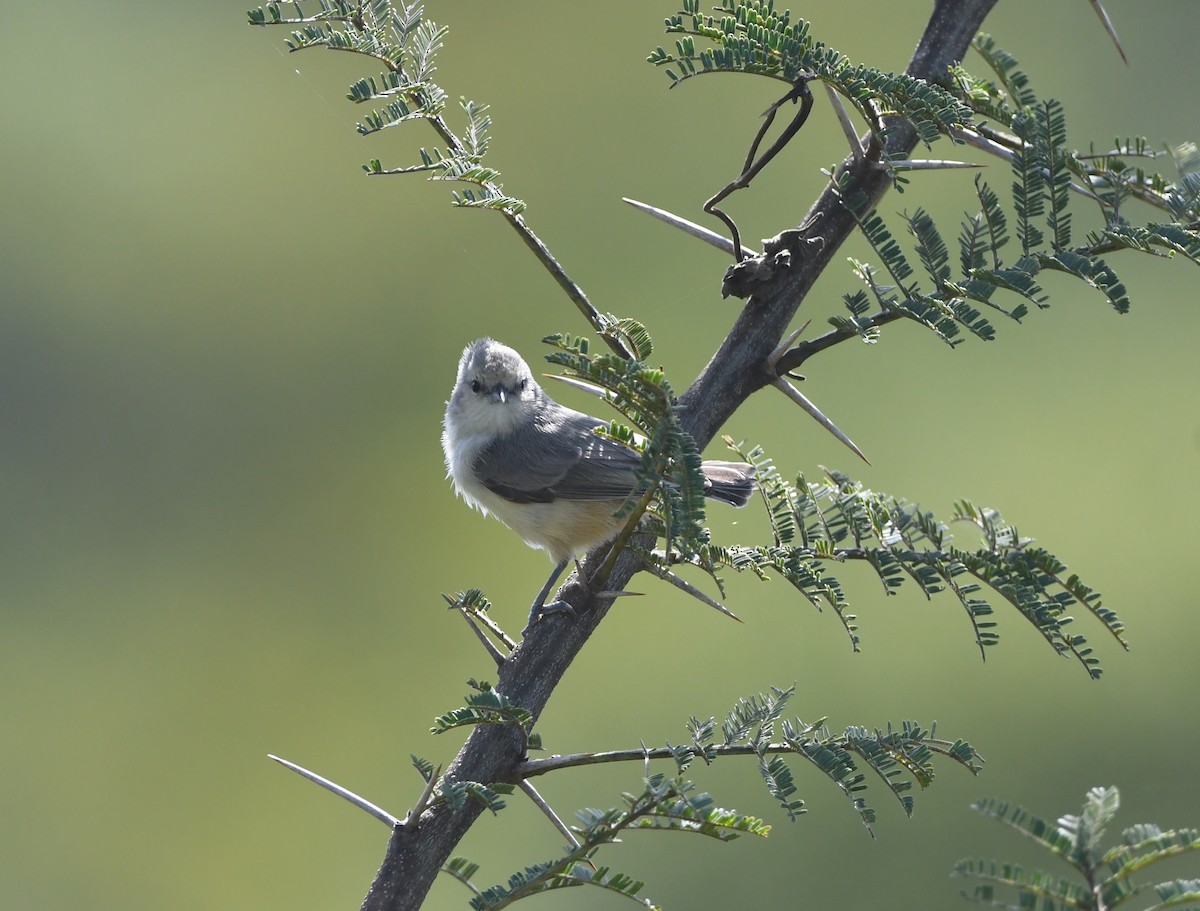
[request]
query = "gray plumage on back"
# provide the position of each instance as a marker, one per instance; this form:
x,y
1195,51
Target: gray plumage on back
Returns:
x,y
539,467
557,455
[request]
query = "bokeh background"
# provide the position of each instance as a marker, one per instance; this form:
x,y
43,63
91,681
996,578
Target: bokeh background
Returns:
x,y
224,355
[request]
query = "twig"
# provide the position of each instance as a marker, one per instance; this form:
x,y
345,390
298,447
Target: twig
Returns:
x,y
474,618
542,253
559,274
600,577
1002,151
531,768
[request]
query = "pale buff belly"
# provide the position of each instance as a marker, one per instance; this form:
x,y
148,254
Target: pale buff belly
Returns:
x,y
563,528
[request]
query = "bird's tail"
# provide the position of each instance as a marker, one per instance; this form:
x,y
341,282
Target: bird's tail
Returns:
x,y
729,482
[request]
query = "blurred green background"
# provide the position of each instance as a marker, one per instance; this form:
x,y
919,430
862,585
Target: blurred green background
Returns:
x,y
225,526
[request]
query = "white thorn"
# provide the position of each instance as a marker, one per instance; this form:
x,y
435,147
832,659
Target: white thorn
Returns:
x,y
484,640
1108,27
712,238
803,401
924,164
667,576
361,802
540,803
590,388
843,116
413,815
783,347
1001,151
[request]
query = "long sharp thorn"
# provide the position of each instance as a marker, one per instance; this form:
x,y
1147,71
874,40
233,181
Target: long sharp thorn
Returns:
x,y
590,388
474,620
683,585
712,238
803,401
540,803
1000,151
1108,27
410,819
783,347
484,640
361,802
843,116
925,164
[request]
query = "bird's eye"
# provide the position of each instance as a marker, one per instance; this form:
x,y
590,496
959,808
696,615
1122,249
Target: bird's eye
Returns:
x,y
476,385
523,382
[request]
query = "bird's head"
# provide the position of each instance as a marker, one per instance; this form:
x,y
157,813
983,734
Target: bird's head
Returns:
x,y
495,391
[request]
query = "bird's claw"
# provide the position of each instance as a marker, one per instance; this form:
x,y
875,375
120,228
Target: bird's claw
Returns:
x,y
554,607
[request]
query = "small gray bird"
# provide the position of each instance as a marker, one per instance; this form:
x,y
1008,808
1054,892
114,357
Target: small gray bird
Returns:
x,y
539,467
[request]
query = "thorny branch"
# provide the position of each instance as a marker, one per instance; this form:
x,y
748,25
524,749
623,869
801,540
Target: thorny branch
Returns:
x,y
492,753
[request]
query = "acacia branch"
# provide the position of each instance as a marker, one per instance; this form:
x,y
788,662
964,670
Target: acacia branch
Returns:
x,y
533,767
492,753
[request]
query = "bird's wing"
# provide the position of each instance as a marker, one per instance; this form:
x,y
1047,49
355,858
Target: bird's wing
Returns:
x,y
557,457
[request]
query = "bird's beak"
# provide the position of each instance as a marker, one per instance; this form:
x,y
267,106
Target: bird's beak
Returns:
x,y
499,394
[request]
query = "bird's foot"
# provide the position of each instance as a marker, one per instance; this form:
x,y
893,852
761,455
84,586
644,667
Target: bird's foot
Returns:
x,y
545,610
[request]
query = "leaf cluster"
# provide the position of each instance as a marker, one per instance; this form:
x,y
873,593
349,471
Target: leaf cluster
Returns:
x,y
670,483
456,793
489,706
1107,874
664,804
397,36
950,294
819,524
752,36
899,757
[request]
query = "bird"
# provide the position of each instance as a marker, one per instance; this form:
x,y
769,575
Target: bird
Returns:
x,y
540,468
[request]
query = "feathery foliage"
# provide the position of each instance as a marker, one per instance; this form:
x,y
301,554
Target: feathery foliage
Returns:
x,y
1032,135
488,706
670,482
1047,178
899,757
814,525
838,520
664,804
1106,874
752,36
397,36
457,793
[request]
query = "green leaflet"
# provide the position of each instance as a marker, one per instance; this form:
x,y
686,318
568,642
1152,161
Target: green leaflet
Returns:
x,y
829,523
754,37
398,36
1106,878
